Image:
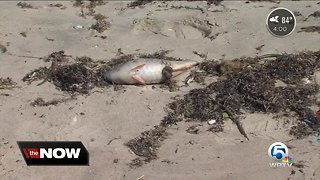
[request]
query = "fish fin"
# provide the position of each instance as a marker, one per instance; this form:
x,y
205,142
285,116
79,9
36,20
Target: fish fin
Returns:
x,y
138,67
139,79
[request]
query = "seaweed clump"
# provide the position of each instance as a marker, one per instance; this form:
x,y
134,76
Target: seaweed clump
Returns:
x,y
101,25
73,78
246,84
78,3
197,105
89,7
215,2
146,145
292,68
25,5
301,130
253,89
7,83
79,77
315,14
58,56
139,3
74,75
41,102
310,29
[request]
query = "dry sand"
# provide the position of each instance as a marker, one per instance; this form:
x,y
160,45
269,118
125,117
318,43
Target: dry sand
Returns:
x,y
124,115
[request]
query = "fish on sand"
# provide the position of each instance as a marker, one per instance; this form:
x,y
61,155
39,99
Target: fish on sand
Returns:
x,y
147,71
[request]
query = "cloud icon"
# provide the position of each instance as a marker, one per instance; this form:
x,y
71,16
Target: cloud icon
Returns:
x,y
274,19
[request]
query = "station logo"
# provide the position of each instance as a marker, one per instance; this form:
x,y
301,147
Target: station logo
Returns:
x,y
53,153
280,154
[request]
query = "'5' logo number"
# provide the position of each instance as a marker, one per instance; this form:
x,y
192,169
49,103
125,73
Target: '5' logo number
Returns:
x,y
278,151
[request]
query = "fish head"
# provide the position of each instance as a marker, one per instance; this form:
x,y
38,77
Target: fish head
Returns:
x,y
136,70
137,73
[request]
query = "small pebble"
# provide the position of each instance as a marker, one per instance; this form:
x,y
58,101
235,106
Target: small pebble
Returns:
x,y
211,122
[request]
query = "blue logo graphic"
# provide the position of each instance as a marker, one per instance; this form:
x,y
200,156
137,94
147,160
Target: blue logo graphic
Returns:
x,y
278,151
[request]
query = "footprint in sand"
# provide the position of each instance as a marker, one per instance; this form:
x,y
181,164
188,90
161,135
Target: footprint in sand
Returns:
x,y
186,29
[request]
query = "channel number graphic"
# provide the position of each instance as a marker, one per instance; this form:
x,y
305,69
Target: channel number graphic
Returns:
x,y
281,22
278,151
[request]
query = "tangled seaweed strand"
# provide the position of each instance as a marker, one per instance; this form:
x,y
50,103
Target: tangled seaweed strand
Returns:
x,y
251,87
74,78
146,145
254,90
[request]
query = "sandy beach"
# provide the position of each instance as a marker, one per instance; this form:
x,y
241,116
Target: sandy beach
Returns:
x,y
106,119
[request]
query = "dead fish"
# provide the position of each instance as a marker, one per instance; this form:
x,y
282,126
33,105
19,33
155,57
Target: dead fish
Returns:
x,y
147,71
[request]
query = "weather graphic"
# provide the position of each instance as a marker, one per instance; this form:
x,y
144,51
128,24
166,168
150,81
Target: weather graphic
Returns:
x,y
274,19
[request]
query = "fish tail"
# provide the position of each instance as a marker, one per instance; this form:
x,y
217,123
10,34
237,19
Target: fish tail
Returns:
x,y
181,65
